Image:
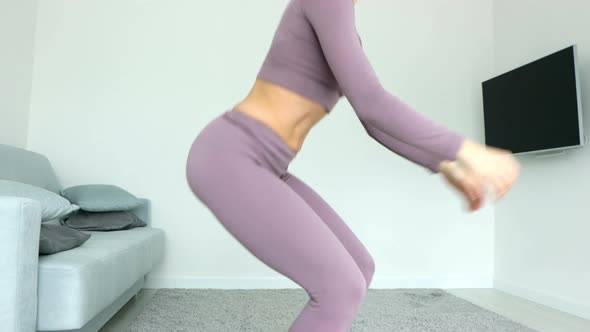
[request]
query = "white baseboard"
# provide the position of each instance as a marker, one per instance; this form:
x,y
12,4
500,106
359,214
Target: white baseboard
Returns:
x,y
556,302
283,282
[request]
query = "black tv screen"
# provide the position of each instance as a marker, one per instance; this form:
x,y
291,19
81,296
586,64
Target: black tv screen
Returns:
x,y
535,107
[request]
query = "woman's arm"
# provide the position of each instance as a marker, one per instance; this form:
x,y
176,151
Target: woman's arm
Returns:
x,y
385,117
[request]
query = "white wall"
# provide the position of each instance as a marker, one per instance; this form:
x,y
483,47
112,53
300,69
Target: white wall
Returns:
x,y
542,228
121,88
17,31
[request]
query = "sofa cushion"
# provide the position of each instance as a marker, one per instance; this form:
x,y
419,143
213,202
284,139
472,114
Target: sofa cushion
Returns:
x,y
27,167
53,206
57,238
103,221
77,284
101,198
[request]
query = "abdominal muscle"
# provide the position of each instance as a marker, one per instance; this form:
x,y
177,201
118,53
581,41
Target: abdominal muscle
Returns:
x,y
288,114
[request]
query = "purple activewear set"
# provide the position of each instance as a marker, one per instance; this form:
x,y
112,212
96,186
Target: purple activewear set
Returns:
x,y
237,165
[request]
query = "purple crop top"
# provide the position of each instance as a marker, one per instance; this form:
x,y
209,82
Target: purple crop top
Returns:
x,y
316,52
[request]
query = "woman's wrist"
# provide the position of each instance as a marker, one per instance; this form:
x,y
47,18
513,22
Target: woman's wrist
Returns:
x,y
444,166
467,151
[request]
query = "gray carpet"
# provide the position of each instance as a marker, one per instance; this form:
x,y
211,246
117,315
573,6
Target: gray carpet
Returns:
x,y
273,310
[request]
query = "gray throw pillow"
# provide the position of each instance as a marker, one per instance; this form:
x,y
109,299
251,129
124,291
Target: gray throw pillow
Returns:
x,y
53,205
101,198
56,238
103,221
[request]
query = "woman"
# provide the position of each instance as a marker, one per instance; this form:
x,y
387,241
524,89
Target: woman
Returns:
x,y
237,165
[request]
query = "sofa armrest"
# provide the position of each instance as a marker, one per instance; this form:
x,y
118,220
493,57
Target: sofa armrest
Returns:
x,y
143,211
20,225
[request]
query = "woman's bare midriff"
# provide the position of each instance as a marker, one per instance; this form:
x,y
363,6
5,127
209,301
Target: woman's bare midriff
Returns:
x,y
290,115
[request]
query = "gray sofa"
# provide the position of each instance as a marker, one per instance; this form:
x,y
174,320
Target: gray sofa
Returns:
x,y
74,290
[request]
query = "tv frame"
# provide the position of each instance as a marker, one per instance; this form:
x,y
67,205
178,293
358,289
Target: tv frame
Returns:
x,y
582,135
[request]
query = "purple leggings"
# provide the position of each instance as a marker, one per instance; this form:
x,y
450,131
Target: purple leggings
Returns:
x,y
237,167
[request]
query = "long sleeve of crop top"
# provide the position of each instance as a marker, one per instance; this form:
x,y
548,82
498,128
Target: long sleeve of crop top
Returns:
x,y
386,118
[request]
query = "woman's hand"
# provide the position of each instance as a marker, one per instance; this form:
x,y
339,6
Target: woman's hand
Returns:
x,y
468,183
496,167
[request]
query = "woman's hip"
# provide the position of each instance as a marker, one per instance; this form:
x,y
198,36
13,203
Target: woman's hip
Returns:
x,y
231,140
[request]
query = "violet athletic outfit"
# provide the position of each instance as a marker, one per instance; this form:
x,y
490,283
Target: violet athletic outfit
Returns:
x,y
237,165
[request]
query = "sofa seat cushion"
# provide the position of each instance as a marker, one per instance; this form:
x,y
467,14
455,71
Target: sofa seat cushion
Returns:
x,y
75,285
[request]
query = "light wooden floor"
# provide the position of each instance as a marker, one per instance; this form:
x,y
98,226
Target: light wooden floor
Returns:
x,y
531,314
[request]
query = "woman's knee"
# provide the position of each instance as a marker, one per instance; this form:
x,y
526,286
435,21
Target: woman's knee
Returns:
x,y
343,290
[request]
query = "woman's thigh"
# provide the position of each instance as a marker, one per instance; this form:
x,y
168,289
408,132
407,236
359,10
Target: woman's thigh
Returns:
x,y
273,222
333,220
